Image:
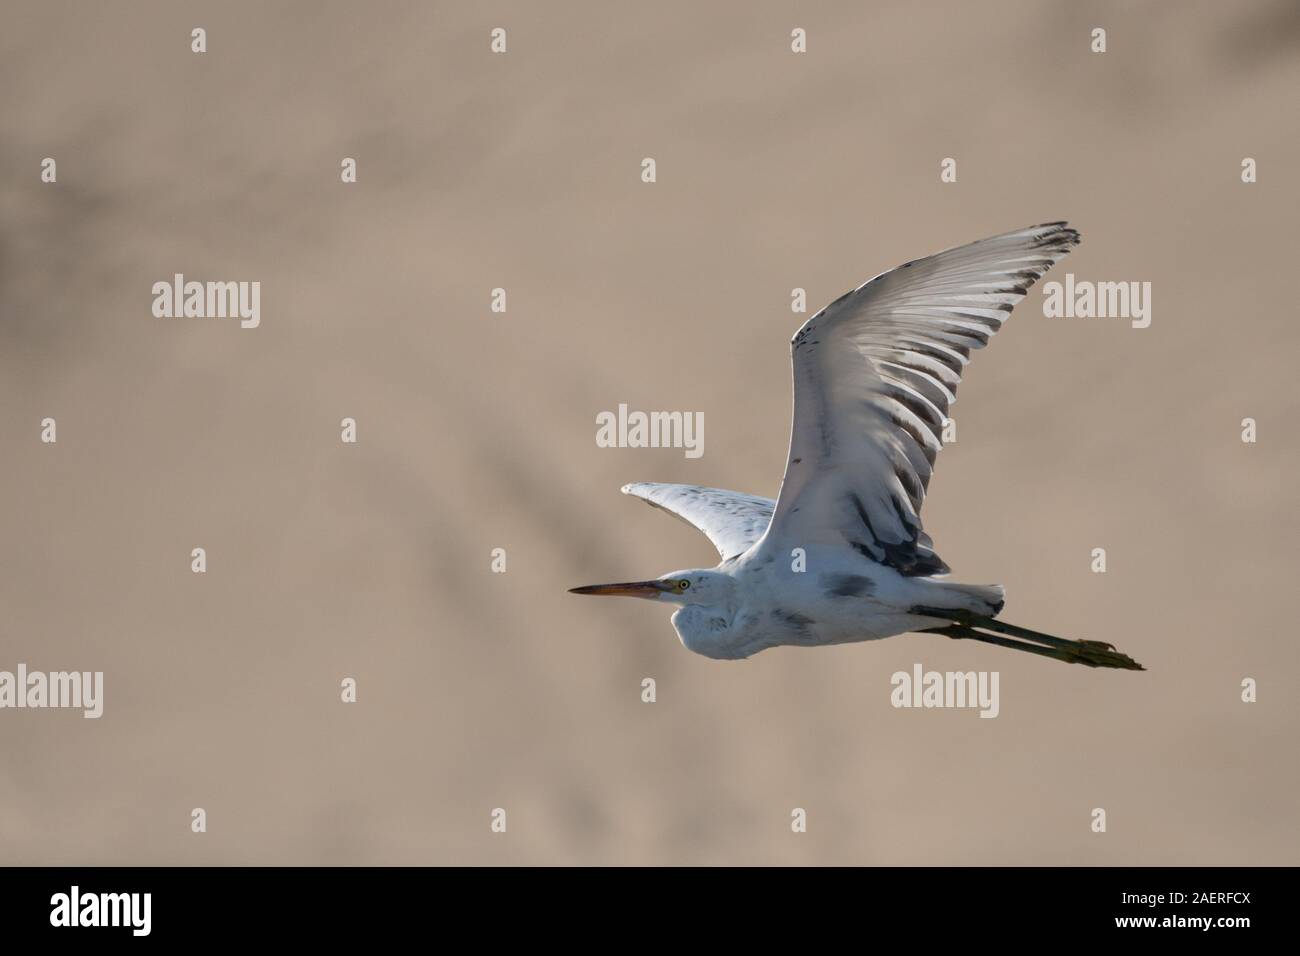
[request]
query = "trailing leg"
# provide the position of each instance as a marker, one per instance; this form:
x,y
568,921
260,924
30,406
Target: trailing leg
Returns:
x,y
1088,653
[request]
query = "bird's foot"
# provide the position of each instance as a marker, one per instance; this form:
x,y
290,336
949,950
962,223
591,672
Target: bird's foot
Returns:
x,y
1098,654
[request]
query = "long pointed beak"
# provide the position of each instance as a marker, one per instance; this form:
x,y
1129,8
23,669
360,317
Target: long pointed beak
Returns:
x,y
641,589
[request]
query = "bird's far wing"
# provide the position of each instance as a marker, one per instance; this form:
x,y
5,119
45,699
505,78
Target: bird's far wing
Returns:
x,y
731,520
874,375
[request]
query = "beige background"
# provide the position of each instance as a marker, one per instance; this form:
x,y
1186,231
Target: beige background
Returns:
x,y
477,430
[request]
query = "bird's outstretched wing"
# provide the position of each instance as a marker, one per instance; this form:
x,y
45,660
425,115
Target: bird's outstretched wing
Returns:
x,y
874,375
731,520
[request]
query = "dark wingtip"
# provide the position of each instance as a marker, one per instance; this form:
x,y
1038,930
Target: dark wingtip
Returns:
x,y
1061,231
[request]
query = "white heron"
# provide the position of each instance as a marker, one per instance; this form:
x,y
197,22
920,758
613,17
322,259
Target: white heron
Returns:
x,y
840,556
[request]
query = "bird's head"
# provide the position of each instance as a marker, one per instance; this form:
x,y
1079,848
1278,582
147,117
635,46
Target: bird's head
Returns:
x,y
680,587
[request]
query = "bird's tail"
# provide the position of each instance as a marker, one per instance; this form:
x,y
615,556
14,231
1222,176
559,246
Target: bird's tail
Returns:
x,y
983,599
967,626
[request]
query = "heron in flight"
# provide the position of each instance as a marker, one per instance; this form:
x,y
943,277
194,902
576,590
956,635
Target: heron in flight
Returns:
x,y
840,556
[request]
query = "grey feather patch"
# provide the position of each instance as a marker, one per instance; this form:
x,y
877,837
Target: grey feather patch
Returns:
x,y
847,585
792,619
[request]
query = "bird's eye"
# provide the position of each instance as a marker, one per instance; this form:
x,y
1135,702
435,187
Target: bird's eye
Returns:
x,y
683,584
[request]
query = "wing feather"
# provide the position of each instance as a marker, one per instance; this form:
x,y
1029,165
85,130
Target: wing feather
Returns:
x,y
875,374
731,520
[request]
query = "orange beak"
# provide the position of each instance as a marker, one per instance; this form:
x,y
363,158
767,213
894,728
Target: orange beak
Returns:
x,y
640,589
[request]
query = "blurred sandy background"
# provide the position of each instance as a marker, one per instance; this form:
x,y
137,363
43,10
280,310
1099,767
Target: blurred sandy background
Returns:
x,y
480,690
